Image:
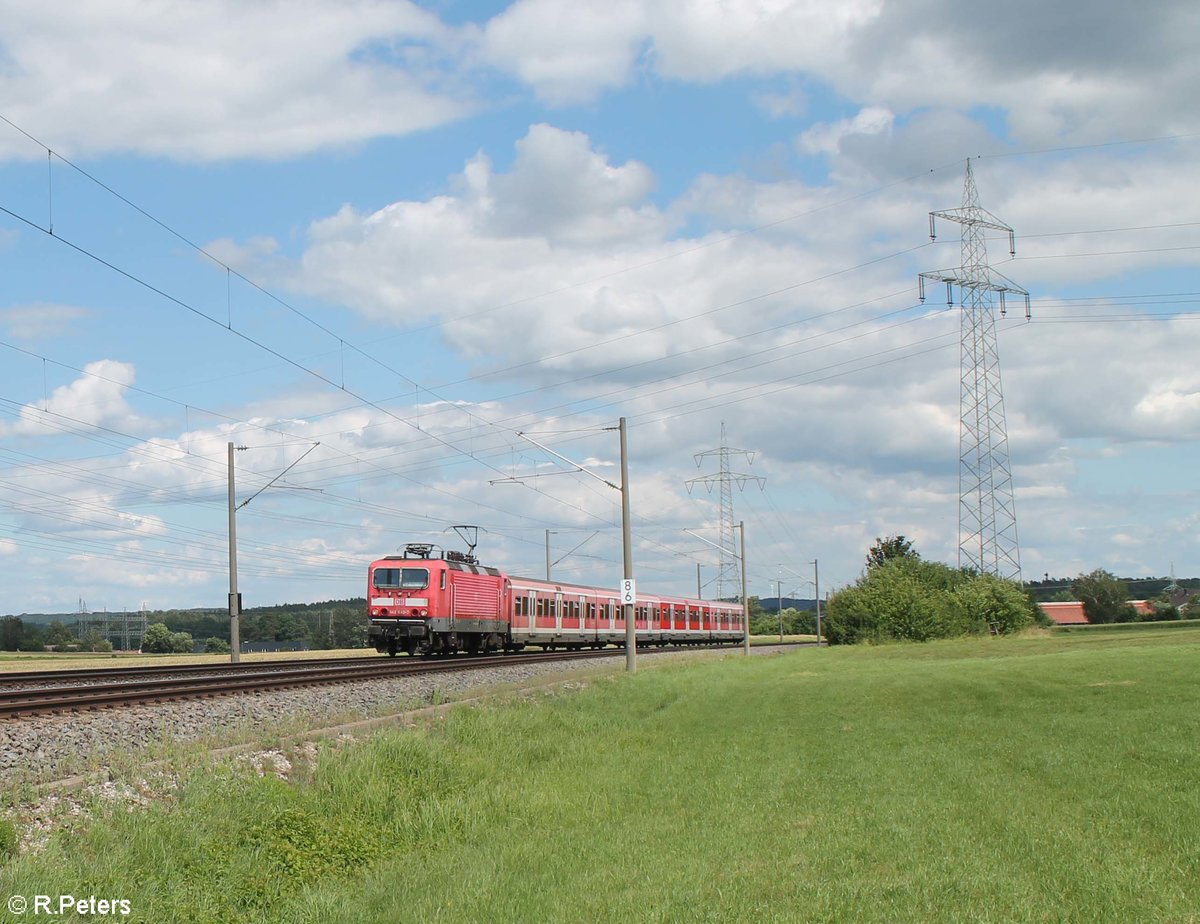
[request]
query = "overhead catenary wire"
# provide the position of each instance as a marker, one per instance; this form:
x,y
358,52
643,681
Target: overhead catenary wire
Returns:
x,y
447,442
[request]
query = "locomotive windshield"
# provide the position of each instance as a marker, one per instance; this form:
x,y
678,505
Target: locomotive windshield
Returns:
x,y
402,578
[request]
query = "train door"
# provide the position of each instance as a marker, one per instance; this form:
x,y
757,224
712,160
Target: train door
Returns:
x,y
558,613
538,611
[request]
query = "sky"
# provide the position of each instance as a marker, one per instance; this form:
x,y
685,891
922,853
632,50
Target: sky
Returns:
x,y
418,259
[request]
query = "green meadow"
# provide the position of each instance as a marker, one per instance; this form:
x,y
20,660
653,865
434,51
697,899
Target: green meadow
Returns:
x,y
1050,777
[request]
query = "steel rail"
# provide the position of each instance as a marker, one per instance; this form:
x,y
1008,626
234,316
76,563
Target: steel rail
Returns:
x,y
7,678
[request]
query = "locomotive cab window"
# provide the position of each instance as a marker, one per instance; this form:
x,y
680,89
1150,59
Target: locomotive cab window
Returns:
x,y
402,578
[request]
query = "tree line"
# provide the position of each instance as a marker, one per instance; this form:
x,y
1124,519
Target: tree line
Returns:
x,y
333,624
902,596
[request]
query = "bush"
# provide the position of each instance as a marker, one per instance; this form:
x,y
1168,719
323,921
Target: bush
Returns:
x,y
216,645
914,600
795,622
1105,599
1163,611
991,601
157,639
181,643
94,641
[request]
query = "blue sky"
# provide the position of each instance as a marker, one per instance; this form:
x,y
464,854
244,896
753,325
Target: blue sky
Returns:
x,y
431,227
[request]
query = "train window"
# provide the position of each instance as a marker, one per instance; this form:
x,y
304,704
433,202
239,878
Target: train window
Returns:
x,y
402,578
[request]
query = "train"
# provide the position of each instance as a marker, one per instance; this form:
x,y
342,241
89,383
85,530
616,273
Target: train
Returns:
x,y
429,601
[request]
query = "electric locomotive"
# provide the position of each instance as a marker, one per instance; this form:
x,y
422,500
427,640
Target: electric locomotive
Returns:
x,y
434,602
439,603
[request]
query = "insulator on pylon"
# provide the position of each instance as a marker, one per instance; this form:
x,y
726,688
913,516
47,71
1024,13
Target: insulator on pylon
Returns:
x,y
949,293
932,233
1003,307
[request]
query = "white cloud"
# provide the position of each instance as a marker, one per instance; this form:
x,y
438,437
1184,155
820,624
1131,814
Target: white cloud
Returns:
x,y
95,399
827,138
223,79
561,189
33,321
567,52
1123,74
227,79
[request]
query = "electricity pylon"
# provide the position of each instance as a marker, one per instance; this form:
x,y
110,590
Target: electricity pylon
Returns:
x,y
987,517
727,572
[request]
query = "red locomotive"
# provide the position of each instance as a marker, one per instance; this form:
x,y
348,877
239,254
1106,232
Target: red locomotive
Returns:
x,y
440,602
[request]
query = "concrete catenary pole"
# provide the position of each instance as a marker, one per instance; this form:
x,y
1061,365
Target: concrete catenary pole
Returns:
x,y
235,643
745,602
627,547
779,598
817,590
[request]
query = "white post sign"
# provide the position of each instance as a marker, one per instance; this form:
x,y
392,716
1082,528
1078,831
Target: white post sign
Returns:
x,y
628,592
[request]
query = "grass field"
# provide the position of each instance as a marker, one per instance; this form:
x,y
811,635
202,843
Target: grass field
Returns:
x,y
1044,778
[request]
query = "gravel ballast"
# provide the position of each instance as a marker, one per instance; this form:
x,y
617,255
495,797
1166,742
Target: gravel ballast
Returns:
x,y
43,747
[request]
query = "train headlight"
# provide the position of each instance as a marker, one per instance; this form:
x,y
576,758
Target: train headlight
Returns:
x,y
424,612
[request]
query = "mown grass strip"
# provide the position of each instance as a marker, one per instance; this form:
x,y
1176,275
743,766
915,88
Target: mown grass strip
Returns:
x,y
1124,627
1037,779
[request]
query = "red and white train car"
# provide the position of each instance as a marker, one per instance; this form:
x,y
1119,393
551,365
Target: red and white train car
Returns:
x,y
423,602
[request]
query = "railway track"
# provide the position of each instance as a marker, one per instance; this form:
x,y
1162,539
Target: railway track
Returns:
x,y
85,674
114,688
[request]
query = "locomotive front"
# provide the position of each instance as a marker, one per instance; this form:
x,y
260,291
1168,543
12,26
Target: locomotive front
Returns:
x,y
403,593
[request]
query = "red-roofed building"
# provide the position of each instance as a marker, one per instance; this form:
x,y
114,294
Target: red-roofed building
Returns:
x,y
1071,614
1065,614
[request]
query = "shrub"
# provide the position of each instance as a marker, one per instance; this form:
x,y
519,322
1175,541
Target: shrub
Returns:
x,y
988,600
1105,599
216,645
181,643
907,598
1163,611
157,639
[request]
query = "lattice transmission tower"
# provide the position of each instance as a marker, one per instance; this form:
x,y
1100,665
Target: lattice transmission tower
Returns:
x,y
727,571
987,517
